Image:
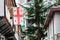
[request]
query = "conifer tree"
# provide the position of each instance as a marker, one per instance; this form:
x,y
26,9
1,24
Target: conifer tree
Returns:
x,y
36,13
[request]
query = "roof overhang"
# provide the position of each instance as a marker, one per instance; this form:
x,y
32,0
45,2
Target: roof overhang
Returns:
x,y
50,16
5,27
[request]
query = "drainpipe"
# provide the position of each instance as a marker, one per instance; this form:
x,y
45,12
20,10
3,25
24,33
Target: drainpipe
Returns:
x,y
53,30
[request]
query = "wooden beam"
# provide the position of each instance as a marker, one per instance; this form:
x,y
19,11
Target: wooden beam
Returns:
x,y
5,30
2,22
6,33
50,16
4,27
1,26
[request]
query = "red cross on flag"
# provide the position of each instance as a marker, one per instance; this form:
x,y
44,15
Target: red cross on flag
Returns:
x,y
17,15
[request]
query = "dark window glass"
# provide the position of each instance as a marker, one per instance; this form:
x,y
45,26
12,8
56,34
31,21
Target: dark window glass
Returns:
x,y
28,0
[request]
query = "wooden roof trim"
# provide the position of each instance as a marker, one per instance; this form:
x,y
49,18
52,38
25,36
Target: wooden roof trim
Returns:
x,y
50,16
7,21
8,27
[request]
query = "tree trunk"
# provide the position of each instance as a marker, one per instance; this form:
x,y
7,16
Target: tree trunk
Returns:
x,y
37,18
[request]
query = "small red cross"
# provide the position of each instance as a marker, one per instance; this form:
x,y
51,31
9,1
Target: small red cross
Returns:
x,y
19,15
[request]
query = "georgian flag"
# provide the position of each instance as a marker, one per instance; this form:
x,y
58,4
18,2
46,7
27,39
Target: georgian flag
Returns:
x,y
17,16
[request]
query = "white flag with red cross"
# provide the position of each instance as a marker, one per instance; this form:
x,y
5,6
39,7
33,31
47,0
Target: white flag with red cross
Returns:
x,y
17,15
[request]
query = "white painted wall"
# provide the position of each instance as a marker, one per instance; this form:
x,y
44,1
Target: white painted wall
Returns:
x,y
8,15
1,7
55,23
50,31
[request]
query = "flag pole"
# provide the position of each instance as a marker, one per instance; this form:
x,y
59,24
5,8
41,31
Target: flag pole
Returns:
x,y
19,32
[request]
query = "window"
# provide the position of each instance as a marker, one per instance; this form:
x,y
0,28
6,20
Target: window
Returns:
x,y
28,0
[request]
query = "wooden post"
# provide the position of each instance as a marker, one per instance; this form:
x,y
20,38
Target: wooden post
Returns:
x,y
16,32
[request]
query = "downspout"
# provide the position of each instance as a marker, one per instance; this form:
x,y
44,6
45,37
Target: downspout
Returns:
x,y
4,8
53,30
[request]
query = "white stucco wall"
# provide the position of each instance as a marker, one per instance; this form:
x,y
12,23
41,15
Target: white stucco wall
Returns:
x,y
54,24
50,31
8,16
57,22
1,7
57,25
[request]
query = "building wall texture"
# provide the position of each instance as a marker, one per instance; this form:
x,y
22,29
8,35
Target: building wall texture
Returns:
x,y
50,31
54,27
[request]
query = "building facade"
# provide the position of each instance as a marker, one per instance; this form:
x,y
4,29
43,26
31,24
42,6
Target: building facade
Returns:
x,y
6,29
52,24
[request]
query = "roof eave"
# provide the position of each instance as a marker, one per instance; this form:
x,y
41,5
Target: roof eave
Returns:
x,y
50,16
